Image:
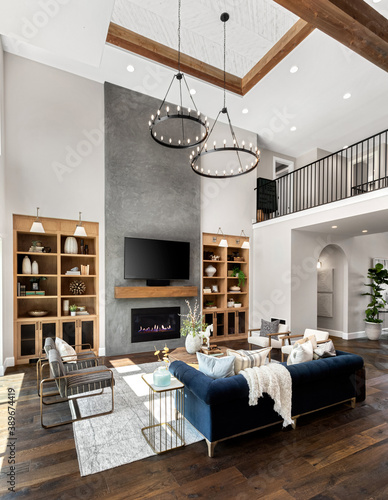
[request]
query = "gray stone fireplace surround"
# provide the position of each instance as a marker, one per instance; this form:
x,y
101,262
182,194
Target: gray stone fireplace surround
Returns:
x,y
150,192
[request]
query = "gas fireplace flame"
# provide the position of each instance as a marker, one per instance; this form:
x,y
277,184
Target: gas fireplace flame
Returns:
x,y
155,329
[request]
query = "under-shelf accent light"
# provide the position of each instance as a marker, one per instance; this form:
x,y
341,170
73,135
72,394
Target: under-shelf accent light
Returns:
x,y
80,230
37,226
236,160
246,243
223,242
183,128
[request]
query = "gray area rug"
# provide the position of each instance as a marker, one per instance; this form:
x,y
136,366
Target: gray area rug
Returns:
x,y
116,439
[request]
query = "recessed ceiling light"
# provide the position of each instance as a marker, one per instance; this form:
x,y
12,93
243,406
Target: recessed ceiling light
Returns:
x,y
293,129
130,68
193,91
334,227
345,147
364,230
376,1
294,69
245,111
348,95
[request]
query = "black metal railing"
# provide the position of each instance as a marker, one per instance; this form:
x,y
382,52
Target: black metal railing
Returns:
x,y
358,169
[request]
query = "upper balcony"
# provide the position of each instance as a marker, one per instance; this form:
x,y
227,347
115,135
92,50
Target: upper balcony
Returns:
x,y
358,169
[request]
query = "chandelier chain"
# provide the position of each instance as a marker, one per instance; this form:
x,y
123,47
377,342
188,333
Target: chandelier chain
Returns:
x,y
225,64
179,36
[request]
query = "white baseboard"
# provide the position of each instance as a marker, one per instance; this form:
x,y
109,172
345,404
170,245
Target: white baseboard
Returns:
x,y
336,333
101,351
7,363
354,335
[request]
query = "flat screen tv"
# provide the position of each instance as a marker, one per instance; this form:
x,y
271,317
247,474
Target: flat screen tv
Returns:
x,y
156,259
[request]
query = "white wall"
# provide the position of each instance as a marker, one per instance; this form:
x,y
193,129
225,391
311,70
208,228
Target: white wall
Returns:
x,y
311,156
2,203
54,156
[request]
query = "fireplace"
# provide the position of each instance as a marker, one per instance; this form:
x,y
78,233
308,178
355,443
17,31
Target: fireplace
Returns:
x,y
159,323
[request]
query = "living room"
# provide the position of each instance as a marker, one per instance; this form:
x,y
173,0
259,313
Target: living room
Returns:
x,y
75,139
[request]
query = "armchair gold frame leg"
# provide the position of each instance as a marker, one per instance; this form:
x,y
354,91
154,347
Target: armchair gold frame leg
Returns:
x,y
73,399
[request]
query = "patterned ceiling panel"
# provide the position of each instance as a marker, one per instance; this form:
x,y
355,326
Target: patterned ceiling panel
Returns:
x,y
254,27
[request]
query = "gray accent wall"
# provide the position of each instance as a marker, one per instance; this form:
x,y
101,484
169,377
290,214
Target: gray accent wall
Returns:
x,y
150,192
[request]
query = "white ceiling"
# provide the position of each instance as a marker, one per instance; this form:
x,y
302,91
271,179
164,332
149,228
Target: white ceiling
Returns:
x,y
373,223
311,99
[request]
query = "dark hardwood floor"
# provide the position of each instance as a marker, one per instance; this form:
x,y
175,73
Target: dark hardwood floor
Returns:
x,y
338,453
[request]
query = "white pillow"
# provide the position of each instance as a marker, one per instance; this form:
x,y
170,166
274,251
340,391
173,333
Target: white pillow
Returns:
x,y
325,350
215,367
301,352
248,359
65,349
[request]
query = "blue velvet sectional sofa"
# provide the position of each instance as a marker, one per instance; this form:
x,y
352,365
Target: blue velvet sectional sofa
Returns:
x,y
219,409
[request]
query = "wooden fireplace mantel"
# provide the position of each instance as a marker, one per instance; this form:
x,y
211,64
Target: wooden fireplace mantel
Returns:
x,y
144,292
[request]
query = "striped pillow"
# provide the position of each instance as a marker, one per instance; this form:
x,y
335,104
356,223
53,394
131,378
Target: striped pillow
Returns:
x,y
248,359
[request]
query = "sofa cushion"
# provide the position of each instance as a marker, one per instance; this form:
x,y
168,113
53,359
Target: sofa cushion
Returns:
x,y
215,367
65,349
269,327
301,352
248,359
325,350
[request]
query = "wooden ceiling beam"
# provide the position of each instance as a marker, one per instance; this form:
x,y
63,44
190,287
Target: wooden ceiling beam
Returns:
x,y
129,40
353,23
294,36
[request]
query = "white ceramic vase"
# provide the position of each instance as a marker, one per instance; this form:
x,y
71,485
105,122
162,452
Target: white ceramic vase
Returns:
x,y
71,245
26,265
373,330
193,344
210,270
34,268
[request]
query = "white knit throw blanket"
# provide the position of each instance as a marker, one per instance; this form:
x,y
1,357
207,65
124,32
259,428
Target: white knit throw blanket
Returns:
x,y
275,380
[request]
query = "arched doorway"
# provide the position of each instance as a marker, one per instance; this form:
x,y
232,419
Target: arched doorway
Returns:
x,y
332,290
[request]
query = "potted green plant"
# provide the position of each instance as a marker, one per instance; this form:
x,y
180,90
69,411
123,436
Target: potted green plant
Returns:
x,y
192,326
378,276
239,273
73,310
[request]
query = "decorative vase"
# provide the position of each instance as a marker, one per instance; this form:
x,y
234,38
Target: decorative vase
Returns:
x,y
373,330
34,268
26,265
162,377
193,344
71,245
210,270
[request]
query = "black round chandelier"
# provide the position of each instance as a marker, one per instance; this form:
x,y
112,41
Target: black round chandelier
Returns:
x,y
178,127
232,159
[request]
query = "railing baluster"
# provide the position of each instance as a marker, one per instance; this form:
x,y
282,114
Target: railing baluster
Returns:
x,y
359,168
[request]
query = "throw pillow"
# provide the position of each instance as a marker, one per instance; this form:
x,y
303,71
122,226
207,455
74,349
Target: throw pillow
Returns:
x,y
269,327
248,359
65,349
325,350
312,339
301,352
215,367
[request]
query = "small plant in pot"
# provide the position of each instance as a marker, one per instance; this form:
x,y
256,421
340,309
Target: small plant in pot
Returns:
x,y
238,273
73,310
378,276
192,327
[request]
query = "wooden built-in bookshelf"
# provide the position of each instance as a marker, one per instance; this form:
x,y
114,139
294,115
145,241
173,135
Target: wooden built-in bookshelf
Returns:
x,y
30,332
228,322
